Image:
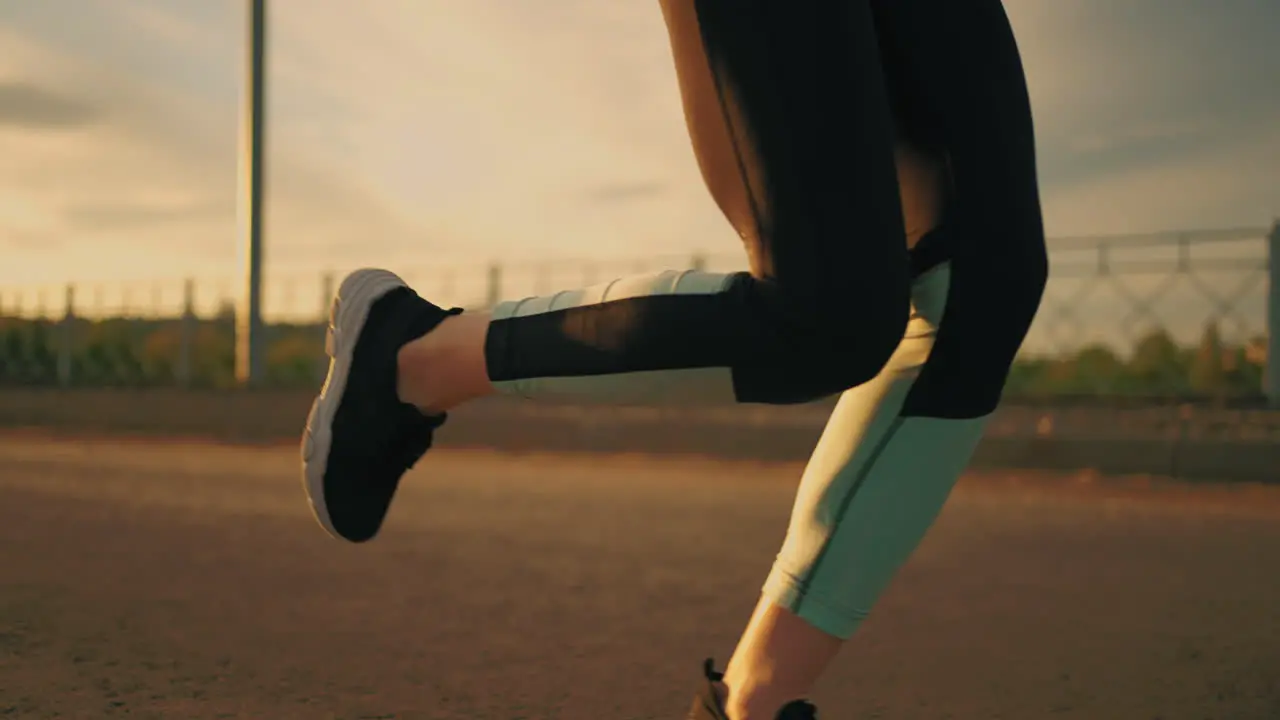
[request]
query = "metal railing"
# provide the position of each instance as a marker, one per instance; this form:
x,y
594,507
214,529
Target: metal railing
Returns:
x,y
1116,292
1176,281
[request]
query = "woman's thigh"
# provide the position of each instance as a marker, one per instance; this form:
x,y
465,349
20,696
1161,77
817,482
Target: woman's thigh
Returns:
x,y
788,114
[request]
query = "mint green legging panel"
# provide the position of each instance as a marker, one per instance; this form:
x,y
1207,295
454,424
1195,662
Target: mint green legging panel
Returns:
x,y
873,486
875,483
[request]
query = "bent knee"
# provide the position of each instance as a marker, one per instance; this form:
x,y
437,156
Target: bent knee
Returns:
x,y
1018,290
818,349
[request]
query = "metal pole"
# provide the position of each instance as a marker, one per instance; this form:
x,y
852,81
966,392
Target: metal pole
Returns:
x,y
66,341
249,328
187,328
494,291
326,297
1273,316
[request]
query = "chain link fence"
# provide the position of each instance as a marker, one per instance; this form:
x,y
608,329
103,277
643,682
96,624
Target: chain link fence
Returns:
x,y
1174,315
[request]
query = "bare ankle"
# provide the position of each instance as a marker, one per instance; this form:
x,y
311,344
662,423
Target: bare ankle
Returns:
x,y
413,377
445,367
753,702
778,659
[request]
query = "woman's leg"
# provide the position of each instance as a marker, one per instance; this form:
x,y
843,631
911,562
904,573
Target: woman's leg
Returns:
x,y
447,366
789,117
895,446
873,486
787,112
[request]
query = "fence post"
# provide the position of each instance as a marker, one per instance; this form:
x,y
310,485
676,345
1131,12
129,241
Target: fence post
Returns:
x,y
326,299
187,326
1273,316
495,285
327,290
66,344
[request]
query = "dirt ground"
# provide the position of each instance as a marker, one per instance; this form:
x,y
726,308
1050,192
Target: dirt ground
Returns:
x,y
189,581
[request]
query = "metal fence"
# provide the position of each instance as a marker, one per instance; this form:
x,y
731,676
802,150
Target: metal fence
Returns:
x,y
1111,292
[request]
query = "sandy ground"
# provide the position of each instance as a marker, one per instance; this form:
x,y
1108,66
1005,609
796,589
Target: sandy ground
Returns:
x,y
189,581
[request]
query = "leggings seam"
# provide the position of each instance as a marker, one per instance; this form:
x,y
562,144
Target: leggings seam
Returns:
x,y
806,584
829,617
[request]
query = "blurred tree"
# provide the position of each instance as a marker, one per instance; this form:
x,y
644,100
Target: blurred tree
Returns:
x,y
40,358
1245,373
11,351
292,357
1208,374
214,353
108,353
146,352
161,348
1095,369
1158,365
1027,377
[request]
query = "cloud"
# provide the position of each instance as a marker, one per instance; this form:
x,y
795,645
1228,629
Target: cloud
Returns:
x,y
149,188
1225,184
32,240
140,215
624,192
1107,75
26,105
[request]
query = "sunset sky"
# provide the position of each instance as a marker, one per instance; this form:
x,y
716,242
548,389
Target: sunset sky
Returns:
x,y
437,131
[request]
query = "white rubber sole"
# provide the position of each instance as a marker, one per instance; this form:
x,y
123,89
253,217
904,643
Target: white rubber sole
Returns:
x,y
347,315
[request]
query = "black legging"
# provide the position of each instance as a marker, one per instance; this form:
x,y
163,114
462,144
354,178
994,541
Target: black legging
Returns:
x,y
794,107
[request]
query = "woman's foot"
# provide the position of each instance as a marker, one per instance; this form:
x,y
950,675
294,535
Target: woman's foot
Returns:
x,y
360,438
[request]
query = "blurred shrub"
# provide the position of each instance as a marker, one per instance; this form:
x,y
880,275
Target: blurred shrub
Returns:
x,y
150,352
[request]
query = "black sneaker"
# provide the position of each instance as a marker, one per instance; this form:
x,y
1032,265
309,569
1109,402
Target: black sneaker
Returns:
x,y
707,704
360,439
